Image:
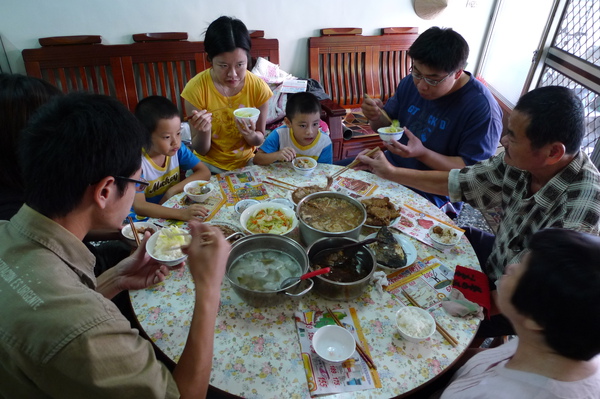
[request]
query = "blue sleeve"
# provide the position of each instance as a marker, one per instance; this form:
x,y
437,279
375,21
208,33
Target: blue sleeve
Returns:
x,y
271,143
187,159
326,155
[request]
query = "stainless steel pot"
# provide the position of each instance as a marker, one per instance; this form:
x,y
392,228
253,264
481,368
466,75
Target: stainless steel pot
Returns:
x,y
309,234
269,242
340,290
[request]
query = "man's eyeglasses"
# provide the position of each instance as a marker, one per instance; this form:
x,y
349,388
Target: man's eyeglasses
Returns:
x,y
431,82
140,185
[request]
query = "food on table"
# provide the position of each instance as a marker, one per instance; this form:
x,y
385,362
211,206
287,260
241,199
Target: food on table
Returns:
x,y
391,129
331,214
269,220
263,270
169,242
413,323
346,266
227,231
387,250
302,192
244,114
380,211
199,189
304,163
444,235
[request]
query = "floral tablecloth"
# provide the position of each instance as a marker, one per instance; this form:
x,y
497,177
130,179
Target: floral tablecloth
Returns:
x,y
257,351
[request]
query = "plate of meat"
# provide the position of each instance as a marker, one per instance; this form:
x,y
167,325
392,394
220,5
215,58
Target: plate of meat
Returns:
x,y
380,211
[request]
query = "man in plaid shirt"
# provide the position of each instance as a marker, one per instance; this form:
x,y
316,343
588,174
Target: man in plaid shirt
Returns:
x,y
542,179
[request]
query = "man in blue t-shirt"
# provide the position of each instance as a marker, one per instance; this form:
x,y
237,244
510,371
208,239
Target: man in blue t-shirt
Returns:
x,y
451,119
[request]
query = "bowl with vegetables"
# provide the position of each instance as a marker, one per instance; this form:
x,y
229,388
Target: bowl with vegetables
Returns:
x,y
392,132
268,218
246,115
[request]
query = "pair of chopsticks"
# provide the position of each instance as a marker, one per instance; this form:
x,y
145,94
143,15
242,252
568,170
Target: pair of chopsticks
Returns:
x,y
134,231
359,348
385,114
187,118
287,186
439,328
353,163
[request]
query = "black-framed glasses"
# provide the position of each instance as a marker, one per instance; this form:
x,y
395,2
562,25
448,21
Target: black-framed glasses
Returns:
x,y
431,82
140,185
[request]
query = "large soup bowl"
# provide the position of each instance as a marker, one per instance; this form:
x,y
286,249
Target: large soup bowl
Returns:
x,y
275,243
310,234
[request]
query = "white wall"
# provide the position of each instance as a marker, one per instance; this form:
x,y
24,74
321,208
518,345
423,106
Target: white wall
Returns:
x,y
22,22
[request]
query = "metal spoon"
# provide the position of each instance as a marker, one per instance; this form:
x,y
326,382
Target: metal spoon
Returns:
x,y
346,246
293,280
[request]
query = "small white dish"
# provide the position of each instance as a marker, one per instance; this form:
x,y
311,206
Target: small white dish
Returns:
x,y
447,239
409,250
390,133
141,227
244,204
334,343
196,190
304,166
415,324
246,114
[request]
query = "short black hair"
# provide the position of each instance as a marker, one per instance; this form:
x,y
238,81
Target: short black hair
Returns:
x,y
75,141
440,48
152,109
560,290
555,114
224,35
302,103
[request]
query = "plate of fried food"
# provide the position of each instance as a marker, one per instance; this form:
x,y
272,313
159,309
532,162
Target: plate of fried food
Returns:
x,y
228,229
392,251
380,211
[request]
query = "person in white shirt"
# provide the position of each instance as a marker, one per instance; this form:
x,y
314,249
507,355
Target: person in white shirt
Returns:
x,y
552,299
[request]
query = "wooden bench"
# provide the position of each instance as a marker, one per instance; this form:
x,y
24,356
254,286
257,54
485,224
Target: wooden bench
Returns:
x,y
349,65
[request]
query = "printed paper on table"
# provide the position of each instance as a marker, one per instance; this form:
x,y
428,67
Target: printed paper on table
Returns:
x,y
416,224
355,188
326,377
240,185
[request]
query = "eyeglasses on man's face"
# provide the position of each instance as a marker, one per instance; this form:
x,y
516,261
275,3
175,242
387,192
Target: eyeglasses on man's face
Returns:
x,y
431,82
140,185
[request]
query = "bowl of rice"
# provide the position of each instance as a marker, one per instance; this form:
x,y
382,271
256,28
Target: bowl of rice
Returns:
x,y
444,237
268,218
415,324
165,245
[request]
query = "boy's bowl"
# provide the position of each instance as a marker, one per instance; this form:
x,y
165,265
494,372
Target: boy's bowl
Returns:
x,y
443,237
390,133
168,258
415,324
198,190
304,165
246,114
333,343
251,211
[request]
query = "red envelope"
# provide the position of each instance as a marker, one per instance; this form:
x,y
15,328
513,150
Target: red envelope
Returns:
x,y
474,286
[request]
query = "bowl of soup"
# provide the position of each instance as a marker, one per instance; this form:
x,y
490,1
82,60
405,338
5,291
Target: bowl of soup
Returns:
x,y
329,214
258,264
246,115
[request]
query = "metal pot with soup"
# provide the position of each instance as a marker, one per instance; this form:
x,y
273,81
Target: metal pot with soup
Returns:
x,y
258,265
329,214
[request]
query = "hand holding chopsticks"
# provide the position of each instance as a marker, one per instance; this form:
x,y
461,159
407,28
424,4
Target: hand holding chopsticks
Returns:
x,y
385,114
439,328
359,348
134,231
354,163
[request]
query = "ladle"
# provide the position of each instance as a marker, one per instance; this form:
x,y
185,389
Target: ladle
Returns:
x,y
351,245
293,280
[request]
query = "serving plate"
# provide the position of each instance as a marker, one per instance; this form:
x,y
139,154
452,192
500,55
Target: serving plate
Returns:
x,y
409,250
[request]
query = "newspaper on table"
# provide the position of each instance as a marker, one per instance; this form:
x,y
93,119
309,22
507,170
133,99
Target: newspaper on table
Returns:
x,y
327,377
242,184
416,223
428,281
354,188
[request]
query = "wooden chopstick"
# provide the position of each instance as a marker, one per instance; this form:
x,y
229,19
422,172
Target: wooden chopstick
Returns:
x,y
134,231
277,185
359,348
187,118
385,114
353,163
439,328
282,182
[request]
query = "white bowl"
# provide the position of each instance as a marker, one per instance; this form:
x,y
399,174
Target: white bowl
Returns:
x,y
252,210
408,316
195,187
304,170
246,114
448,239
150,248
333,343
390,133
140,227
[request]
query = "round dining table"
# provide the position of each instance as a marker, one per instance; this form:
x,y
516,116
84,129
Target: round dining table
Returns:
x,y
257,351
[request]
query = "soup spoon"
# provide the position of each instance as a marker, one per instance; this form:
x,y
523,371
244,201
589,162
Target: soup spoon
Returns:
x,y
293,280
322,252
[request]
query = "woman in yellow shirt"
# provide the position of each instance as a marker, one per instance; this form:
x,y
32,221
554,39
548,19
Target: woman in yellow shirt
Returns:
x,y
220,141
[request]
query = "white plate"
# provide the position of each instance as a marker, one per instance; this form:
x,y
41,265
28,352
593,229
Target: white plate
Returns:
x,y
409,250
392,222
126,230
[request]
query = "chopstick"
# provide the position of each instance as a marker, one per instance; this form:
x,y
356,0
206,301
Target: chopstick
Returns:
x,y
353,163
359,348
187,118
282,182
277,185
385,114
439,328
134,231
